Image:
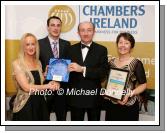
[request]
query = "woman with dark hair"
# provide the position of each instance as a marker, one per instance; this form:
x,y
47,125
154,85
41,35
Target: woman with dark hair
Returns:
x,y
127,109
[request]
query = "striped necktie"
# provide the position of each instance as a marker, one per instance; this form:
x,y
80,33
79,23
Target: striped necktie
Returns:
x,y
55,50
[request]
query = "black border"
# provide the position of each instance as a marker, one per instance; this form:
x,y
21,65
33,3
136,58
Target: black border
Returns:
x,y
120,70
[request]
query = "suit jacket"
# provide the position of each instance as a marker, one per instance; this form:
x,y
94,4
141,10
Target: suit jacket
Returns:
x,y
46,51
45,54
96,63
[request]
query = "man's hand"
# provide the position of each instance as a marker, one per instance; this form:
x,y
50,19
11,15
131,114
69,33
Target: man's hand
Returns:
x,y
74,67
53,85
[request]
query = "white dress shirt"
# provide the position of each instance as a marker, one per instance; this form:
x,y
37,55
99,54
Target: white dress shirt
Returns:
x,y
85,51
84,54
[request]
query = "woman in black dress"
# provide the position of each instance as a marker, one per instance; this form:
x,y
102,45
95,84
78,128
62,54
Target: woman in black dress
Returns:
x,y
127,109
30,104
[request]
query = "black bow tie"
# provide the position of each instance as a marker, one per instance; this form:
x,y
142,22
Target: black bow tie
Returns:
x,y
84,46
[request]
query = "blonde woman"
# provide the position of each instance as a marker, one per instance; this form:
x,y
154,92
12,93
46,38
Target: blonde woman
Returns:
x,y
29,104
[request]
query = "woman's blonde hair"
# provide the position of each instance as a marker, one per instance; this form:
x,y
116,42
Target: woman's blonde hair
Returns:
x,y
22,41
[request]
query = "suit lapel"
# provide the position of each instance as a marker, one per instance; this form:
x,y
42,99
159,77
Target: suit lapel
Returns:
x,y
61,48
79,55
48,47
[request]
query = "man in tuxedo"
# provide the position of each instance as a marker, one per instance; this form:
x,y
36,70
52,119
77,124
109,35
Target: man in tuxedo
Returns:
x,y
89,66
53,46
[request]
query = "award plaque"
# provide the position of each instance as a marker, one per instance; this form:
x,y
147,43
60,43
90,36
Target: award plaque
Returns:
x,y
116,83
58,70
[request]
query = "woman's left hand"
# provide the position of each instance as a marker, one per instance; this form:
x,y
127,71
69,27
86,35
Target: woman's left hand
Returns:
x,y
124,101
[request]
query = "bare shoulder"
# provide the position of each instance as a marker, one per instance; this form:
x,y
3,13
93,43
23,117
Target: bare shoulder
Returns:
x,y
39,63
16,64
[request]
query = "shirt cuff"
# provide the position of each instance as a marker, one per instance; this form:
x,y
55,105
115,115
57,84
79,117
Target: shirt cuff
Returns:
x,y
84,71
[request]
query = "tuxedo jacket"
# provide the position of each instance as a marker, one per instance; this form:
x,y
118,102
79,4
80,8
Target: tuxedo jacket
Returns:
x,y
46,51
96,63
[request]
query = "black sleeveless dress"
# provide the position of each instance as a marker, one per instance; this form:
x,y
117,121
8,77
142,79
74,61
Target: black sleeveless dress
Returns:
x,y
35,109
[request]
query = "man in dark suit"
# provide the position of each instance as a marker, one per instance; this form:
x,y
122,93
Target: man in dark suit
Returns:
x,y
89,66
50,47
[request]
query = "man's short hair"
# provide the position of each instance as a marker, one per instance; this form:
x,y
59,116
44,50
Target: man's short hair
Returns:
x,y
86,22
52,17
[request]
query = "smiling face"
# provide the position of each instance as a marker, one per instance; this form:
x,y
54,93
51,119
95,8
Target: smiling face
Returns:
x,y
124,46
86,32
30,46
54,28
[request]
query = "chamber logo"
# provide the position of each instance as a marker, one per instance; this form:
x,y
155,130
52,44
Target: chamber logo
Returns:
x,y
66,14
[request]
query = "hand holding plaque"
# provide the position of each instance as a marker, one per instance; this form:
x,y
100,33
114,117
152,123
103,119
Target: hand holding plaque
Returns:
x,y
116,83
57,70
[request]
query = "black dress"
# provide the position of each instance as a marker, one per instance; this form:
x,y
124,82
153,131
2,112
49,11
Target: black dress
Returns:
x,y
130,111
35,109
